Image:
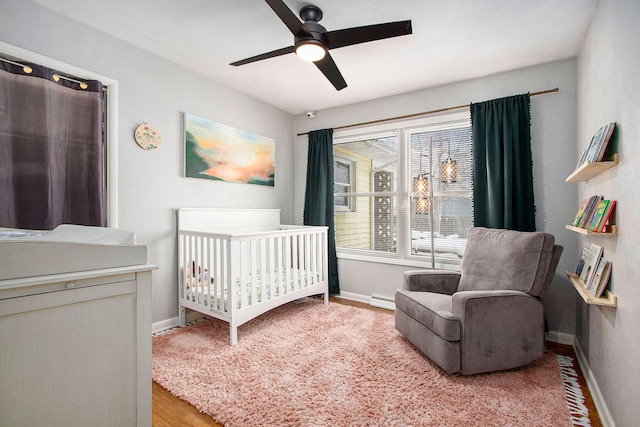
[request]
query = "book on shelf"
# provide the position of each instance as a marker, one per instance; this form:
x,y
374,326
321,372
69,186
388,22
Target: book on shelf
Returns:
x,y
598,145
594,280
606,216
603,280
583,156
578,217
582,260
598,214
590,265
592,149
588,213
604,143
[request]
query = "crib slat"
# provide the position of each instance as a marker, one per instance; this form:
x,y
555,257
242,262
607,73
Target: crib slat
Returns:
x,y
307,259
214,273
253,272
243,260
314,260
235,268
279,266
295,254
288,261
218,275
198,267
190,267
262,282
272,272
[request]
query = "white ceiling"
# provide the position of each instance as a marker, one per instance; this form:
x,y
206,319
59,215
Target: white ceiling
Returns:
x,y
452,40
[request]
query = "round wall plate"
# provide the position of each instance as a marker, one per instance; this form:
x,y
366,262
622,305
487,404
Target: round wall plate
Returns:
x,y
147,137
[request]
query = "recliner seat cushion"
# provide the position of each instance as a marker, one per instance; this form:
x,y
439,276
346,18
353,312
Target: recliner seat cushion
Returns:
x,y
432,310
506,260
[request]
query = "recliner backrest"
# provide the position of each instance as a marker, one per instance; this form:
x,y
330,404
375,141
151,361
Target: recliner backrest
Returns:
x,y
496,259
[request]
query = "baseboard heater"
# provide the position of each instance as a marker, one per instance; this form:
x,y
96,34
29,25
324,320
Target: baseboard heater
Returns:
x,y
382,302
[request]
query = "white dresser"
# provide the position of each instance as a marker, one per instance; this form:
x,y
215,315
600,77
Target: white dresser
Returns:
x,y
75,347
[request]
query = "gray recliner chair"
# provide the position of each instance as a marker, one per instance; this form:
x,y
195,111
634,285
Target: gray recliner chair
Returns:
x,y
489,316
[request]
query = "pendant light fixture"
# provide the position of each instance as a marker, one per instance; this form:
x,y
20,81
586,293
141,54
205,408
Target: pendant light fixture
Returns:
x,y
421,190
448,168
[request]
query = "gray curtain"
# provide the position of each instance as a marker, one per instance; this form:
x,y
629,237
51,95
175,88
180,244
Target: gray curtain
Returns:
x,y
502,164
318,198
51,150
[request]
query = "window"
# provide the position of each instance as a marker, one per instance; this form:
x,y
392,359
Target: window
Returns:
x,y
440,233
56,173
373,171
387,223
344,171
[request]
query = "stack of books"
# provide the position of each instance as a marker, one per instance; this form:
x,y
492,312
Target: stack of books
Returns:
x,y
594,270
594,214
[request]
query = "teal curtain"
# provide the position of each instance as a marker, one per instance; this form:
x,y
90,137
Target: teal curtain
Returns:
x,y
318,198
502,164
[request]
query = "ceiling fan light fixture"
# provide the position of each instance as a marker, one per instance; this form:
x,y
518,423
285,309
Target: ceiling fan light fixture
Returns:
x,y
310,50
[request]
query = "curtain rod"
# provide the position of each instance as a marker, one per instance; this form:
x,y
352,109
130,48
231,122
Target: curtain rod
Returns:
x,y
28,70
424,113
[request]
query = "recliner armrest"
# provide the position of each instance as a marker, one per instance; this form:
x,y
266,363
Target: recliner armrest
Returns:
x,y
438,281
499,329
461,301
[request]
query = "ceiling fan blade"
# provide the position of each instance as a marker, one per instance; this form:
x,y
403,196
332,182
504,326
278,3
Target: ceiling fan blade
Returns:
x,y
279,52
329,68
368,33
285,14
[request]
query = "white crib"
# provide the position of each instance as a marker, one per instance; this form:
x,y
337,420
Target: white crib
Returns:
x,y
236,264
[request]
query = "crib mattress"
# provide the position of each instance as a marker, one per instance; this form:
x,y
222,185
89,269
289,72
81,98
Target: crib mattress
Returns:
x,y
209,294
66,249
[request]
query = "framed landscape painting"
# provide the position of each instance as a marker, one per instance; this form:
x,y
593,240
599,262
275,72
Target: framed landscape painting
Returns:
x,y
219,152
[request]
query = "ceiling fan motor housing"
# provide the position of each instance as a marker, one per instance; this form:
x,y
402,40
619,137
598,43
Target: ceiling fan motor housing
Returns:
x,y
316,33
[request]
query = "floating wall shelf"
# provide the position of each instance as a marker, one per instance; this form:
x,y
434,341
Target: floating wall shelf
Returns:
x,y
608,299
590,169
610,230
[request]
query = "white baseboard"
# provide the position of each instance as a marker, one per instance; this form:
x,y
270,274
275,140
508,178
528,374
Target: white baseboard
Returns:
x,y
382,302
594,390
164,325
354,297
173,322
373,300
560,337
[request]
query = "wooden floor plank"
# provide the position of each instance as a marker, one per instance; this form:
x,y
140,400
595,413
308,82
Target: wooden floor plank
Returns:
x,y
169,411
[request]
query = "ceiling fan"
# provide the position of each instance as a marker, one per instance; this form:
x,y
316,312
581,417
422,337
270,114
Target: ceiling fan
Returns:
x,y
312,41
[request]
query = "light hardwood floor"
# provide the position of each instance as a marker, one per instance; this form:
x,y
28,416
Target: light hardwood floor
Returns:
x,y
169,411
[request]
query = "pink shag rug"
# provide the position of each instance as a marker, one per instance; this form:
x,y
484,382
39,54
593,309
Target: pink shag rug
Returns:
x,y
314,365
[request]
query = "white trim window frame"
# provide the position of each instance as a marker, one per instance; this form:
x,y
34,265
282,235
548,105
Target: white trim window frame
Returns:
x,y
402,194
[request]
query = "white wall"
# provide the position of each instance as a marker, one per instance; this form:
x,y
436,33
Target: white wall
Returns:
x,y
553,128
609,91
151,89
